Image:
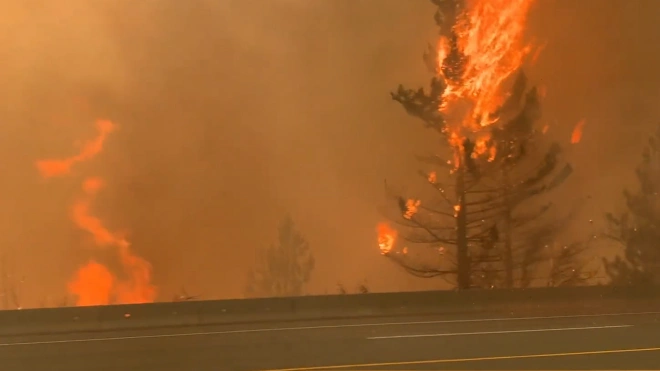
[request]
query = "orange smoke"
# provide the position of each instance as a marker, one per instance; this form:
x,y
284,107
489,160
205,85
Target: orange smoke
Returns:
x,y
386,238
94,283
576,136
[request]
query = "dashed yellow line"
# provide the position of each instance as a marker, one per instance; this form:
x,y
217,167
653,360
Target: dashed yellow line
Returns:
x,y
458,360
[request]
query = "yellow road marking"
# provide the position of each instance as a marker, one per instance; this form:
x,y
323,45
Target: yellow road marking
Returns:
x,y
456,360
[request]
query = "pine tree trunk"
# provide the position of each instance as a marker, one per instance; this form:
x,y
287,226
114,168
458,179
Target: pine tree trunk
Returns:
x,y
463,256
508,238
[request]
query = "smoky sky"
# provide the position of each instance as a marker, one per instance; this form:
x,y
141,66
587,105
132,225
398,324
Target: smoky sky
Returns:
x,y
232,114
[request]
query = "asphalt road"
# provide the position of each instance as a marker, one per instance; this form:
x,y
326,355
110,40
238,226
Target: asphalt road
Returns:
x,y
621,341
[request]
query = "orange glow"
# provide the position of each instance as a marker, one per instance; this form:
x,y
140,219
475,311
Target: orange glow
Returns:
x,y
59,167
386,238
576,136
94,283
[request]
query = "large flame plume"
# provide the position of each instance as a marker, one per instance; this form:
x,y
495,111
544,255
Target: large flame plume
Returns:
x,y
488,37
95,283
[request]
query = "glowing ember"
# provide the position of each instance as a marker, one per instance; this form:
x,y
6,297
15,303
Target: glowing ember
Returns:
x,y
433,177
576,136
412,206
386,238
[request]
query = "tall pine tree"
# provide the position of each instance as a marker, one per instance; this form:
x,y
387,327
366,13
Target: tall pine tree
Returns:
x,y
482,225
284,268
638,228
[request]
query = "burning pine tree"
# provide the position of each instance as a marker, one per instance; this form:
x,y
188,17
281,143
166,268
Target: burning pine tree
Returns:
x,y
496,162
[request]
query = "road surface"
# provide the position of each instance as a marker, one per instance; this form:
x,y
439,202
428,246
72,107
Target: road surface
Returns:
x,y
606,342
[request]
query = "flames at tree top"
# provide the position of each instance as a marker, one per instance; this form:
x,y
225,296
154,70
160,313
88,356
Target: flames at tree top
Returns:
x,y
489,40
94,283
485,49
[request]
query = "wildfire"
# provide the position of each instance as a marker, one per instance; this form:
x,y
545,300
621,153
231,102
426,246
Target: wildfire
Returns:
x,y
59,167
490,37
94,283
576,136
386,238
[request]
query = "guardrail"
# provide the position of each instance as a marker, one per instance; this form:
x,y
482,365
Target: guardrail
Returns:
x,y
537,301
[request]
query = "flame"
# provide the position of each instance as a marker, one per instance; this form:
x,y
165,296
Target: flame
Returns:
x,y
412,206
386,238
457,209
576,136
136,288
432,177
94,283
59,167
489,35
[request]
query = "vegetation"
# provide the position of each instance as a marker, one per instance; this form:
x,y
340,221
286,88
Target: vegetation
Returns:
x,y
638,228
10,285
284,268
487,223
360,289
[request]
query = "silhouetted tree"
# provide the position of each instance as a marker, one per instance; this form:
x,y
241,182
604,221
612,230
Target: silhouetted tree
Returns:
x,y
361,289
638,228
483,222
10,284
282,269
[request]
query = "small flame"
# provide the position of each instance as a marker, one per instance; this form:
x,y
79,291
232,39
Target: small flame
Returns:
x,y
433,177
412,207
457,208
386,238
576,136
